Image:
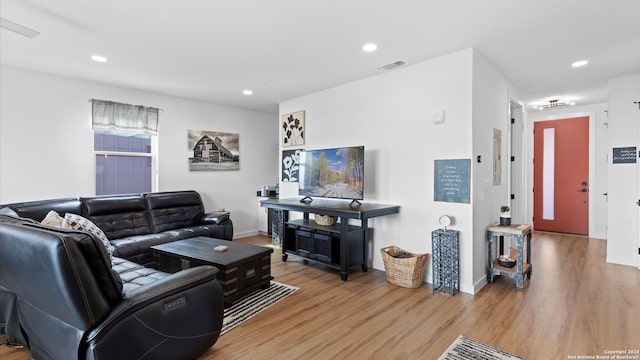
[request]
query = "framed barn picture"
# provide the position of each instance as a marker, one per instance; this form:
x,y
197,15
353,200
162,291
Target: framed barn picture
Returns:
x,y
213,151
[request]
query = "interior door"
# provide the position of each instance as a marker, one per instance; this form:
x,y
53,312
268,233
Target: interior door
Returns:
x,y
561,175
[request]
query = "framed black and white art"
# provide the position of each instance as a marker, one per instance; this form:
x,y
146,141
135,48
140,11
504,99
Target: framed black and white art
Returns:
x,y
292,128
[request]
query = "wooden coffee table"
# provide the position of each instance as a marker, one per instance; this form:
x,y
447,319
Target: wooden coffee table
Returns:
x,y
243,268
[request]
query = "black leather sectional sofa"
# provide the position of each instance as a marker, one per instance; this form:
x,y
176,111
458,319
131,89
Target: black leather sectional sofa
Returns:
x,y
134,223
64,297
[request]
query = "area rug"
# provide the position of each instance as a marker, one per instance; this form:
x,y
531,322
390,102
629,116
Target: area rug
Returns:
x,y
464,348
251,304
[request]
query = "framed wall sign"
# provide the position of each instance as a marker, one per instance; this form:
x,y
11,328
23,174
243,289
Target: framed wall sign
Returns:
x,y
624,155
451,180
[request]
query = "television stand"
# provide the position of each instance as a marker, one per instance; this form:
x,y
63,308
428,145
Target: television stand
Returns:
x,y
339,246
356,202
306,200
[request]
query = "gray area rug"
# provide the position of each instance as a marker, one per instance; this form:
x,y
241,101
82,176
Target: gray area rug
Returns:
x,y
464,348
251,304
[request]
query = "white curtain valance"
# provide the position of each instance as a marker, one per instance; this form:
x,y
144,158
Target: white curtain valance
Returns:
x,y
109,115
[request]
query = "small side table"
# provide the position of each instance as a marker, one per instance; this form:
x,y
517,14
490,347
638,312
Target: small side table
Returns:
x,y
445,261
522,269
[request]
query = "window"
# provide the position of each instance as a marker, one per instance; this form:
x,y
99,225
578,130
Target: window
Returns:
x,y
124,138
124,162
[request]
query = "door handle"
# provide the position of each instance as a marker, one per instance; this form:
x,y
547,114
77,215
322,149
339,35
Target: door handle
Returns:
x,y
585,190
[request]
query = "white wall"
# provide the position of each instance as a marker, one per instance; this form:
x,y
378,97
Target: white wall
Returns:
x,y
598,131
622,220
46,143
392,116
491,103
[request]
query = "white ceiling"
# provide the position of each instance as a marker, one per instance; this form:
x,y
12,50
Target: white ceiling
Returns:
x,y
213,49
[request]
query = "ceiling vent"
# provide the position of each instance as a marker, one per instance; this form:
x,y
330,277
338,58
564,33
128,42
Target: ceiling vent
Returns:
x,y
390,66
17,28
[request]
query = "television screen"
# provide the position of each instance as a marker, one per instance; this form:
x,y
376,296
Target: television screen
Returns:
x,y
333,173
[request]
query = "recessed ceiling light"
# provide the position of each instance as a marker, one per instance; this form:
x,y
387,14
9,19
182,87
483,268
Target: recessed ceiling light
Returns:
x,y
98,58
369,47
580,63
247,92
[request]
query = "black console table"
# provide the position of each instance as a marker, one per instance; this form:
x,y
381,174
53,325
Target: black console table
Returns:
x,y
339,246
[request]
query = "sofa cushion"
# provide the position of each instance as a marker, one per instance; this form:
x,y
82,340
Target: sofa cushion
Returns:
x,y
134,275
8,211
173,210
77,222
52,219
118,216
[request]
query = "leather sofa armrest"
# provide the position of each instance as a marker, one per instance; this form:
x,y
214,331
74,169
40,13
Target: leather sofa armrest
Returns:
x,y
213,218
184,311
158,291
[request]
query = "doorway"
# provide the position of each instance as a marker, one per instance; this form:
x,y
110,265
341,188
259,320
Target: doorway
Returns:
x,y
561,175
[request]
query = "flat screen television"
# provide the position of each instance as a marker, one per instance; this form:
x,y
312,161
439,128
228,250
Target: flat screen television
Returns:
x,y
332,173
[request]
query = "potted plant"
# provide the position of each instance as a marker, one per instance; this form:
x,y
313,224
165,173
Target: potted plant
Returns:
x,y
505,215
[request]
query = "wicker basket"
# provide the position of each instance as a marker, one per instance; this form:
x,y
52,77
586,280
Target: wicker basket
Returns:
x,y
403,271
325,220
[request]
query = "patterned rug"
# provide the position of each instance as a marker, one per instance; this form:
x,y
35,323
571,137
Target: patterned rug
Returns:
x,y
464,348
249,305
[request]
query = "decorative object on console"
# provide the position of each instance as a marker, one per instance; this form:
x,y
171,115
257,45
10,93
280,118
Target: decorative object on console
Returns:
x,y
325,220
290,165
213,151
292,128
445,220
505,215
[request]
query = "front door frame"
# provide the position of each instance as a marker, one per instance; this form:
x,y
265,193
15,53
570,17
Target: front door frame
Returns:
x,y
596,113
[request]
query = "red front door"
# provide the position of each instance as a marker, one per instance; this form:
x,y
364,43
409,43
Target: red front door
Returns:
x,y
561,175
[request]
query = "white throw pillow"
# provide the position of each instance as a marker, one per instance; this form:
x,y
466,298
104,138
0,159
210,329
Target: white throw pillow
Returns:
x,y
52,219
77,222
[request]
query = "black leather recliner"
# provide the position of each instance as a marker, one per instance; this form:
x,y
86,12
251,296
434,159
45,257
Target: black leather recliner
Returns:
x,y
70,303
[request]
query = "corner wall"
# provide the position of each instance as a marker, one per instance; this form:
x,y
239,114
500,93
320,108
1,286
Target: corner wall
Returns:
x,y
623,218
46,143
392,115
491,111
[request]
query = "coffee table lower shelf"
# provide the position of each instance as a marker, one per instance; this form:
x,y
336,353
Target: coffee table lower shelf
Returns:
x,y
242,268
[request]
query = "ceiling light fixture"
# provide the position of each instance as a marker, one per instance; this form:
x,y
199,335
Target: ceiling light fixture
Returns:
x,y
98,58
580,63
555,103
247,92
369,47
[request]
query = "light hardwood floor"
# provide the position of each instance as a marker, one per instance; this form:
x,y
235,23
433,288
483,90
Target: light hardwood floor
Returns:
x,y
574,304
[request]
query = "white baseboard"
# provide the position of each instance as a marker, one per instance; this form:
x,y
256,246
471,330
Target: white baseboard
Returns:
x,y
479,284
245,234
628,261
